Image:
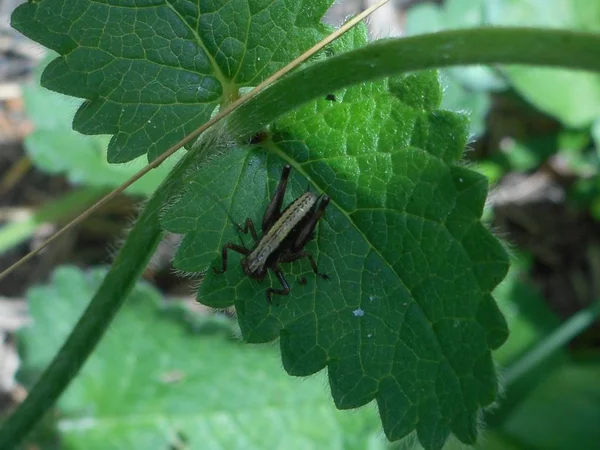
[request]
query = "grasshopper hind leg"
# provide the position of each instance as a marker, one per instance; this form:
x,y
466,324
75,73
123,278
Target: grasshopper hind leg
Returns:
x,y
311,259
313,264
284,284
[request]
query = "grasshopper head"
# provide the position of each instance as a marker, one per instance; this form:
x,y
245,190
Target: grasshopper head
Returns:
x,y
257,274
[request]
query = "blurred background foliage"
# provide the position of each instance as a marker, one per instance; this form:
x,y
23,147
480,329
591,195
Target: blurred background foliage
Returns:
x,y
535,135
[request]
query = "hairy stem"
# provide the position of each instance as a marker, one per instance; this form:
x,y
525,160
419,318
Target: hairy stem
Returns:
x,y
120,280
530,46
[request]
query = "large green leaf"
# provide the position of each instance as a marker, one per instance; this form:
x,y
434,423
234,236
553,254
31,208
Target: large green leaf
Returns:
x,y
154,71
562,413
156,383
407,317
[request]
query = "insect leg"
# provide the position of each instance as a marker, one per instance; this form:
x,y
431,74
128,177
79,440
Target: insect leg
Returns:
x,y
235,248
249,225
313,264
315,269
284,283
306,234
273,211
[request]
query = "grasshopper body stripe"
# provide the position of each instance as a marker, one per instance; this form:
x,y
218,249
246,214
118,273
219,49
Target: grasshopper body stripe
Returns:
x,y
270,242
284,235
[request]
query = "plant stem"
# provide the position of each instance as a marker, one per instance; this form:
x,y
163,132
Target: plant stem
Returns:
x,y
12,234
552,343
389,57
120,280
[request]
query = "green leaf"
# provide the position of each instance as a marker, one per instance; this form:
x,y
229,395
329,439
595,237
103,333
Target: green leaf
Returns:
x,y
459,99
456,14
596,134
490,440
528,316
569,401
466,88
55,148
152,72
373,62
563,14
407,317
530,322
389,57
571,97
154,382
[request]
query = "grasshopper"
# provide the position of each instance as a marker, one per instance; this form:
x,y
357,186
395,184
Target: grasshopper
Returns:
x,y
284,235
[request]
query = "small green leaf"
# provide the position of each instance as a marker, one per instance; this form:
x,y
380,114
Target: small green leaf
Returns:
x,y
55,148
571,97
152,72
569,401
466,88
154,382
529,318
490,440
407,317
457,98
596,134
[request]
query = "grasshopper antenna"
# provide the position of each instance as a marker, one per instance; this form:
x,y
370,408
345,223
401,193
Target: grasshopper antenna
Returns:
x,y
237,226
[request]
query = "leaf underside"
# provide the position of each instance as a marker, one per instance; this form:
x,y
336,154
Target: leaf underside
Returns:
x,y
407,317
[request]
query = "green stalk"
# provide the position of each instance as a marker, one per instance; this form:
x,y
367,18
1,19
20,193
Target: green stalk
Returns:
x,y
12,234
120,280
510,45
527,372
552,343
